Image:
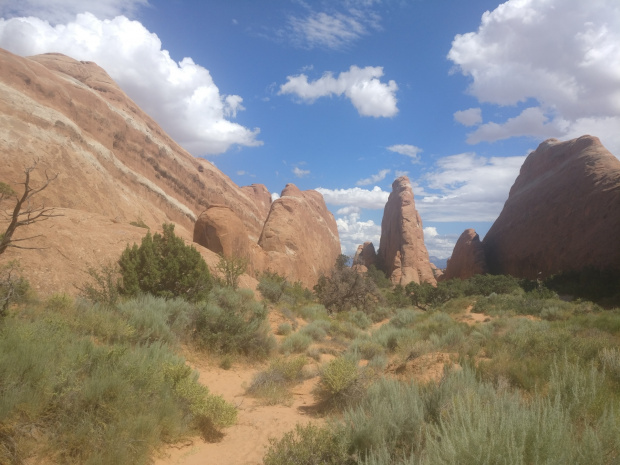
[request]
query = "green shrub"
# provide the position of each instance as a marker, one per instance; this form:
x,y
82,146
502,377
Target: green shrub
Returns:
x,y
313,312
232,322
309,445
271,285
297,294
295,343
366,348
404,317
358,318
230,270
487,284
157,319
378,277
272,384
342,383
379,313
610,359
345,289
165,267
94,402
317,329
284,329
13,287
103,286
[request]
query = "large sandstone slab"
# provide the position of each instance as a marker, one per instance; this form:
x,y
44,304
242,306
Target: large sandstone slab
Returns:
x,y
562,213
114,161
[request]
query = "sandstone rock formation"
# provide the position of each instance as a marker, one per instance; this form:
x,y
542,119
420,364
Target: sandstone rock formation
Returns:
x,y
365,257
220,230
467,259
300,238
402,254
563,212
113,161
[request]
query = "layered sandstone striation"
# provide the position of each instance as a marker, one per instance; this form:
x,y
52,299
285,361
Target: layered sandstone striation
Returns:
x,y
562,212
402,254
467,259
114,162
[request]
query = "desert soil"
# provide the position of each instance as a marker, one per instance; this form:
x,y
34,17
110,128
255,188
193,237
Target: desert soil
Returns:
x,y
246,442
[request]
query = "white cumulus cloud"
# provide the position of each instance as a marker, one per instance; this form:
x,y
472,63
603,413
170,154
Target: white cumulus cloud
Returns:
x,y
530,122
564,54
410,151
300,173
181,97
374,199
380,176
362,86
466,187
353,232
439,245
469,117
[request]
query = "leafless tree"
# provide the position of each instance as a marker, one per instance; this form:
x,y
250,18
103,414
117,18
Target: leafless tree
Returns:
x,y
24,212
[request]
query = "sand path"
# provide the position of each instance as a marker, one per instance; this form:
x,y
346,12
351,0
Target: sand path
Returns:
x,y
246,442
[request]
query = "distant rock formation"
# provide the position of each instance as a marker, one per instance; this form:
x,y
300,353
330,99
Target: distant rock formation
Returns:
x,y
402,254
116,166
300,236
467,258
563,212
365,257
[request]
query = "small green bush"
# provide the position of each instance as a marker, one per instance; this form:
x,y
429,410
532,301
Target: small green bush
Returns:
x,y
610,359
232,322
92,401
358,318
317,329
271,286
313,312
272,384
230,269
13,287
165,267
284,329
342,383
310,445
345,289
295,343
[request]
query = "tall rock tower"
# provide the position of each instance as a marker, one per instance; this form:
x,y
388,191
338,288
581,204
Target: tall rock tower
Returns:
x,y
402,254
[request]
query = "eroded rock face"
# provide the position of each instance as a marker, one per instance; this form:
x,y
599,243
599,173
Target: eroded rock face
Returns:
x,y
467,259
563,212
261,197
365,257
113,161
300,237
402,254
220,230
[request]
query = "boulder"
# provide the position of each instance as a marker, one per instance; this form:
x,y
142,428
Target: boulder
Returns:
x,y
402,254
300,236
220,230
467,259
562,213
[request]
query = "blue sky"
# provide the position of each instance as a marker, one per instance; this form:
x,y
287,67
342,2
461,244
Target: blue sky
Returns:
x,y
344,96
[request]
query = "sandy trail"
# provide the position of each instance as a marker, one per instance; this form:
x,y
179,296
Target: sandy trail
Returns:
x,y
246,442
